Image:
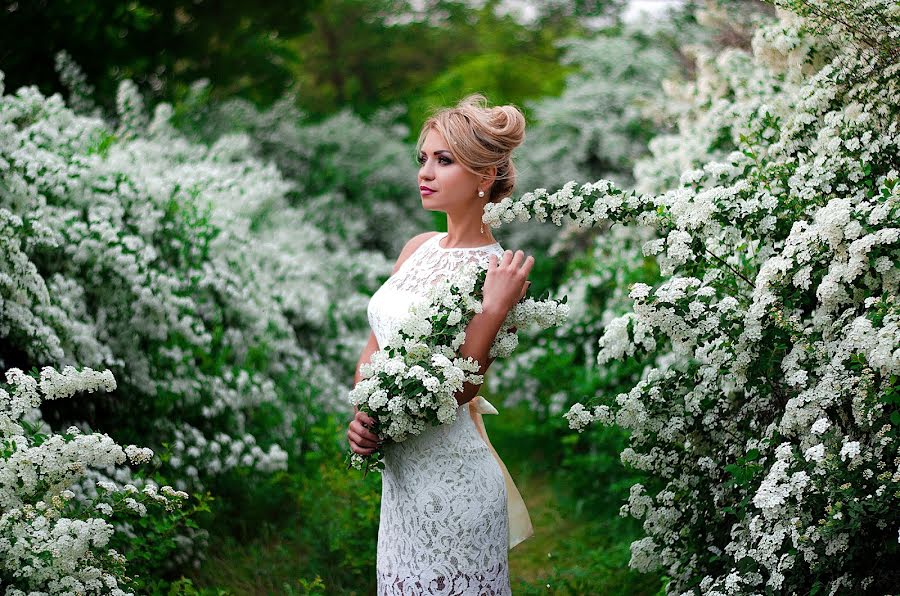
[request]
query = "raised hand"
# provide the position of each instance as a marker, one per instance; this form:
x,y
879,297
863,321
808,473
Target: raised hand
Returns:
x,y
506,281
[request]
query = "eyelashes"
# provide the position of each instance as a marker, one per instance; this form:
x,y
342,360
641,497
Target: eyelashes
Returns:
x,y
446,160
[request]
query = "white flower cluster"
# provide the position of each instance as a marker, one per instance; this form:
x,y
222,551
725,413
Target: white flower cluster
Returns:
x,y
770,412
412,382
590,205
50,541
543,314
597,292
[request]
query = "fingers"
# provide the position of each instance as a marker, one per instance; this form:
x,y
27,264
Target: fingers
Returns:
x,y
507,276
366,437
527,265
362,429
524,289
516,260
364,418
354,437
358,445
361,451
363,445
362,440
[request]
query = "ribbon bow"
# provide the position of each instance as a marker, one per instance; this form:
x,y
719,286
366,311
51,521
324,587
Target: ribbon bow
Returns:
x,y
483,406
520,526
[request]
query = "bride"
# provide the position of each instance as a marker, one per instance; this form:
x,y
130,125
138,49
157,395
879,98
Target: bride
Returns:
x,y
449,510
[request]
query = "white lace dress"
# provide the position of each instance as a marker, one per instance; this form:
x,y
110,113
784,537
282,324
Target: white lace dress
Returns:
x,y
444,527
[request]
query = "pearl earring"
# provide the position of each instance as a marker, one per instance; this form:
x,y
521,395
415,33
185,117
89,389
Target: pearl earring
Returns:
x,y
481,194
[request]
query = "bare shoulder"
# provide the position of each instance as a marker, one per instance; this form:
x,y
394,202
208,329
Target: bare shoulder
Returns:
x,y
411,246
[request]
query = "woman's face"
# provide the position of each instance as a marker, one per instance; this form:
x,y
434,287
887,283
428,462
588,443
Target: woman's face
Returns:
x,y
443,183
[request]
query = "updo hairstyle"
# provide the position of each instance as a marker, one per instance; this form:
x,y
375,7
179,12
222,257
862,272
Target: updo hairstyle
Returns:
x,y
481,137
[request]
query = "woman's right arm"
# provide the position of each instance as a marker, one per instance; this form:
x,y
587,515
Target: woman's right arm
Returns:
x,y
362,440
370,348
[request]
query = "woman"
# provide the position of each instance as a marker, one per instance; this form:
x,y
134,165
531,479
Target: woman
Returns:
x,y
449,512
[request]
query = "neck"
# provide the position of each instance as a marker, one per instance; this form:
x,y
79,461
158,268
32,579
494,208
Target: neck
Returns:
x,y
464,230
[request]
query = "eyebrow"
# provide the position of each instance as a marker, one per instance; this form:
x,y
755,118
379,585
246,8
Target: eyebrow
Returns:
x,y
447,151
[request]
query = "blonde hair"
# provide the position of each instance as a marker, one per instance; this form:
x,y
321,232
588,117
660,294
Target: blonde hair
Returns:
x,y
481,137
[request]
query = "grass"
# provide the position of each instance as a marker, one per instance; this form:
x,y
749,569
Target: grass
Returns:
x,y
323,524
573,553
577,548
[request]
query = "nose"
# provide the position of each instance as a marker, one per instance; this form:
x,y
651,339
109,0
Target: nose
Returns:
x,y
426,170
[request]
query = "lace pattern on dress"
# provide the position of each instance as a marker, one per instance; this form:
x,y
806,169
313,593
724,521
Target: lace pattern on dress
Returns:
x,y
444,528
429,264
493,582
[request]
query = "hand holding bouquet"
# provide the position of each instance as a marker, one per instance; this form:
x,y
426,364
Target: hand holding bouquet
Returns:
x,y
412,382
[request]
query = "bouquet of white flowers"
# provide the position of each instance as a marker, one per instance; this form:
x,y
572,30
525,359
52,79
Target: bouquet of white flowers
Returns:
x,y
411,383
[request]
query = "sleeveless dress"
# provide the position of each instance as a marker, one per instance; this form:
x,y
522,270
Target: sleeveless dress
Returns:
x,y
444,527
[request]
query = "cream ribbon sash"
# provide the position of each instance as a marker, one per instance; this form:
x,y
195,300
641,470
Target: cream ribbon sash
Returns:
x,y
519,521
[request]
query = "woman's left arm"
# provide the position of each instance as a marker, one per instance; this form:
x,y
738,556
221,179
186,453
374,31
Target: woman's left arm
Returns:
x,y
504,285
480,334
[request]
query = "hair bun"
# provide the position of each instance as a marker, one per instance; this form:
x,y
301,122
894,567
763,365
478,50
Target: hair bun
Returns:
x,y
509,125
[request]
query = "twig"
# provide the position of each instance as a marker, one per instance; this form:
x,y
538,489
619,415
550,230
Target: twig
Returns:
x,y
732,269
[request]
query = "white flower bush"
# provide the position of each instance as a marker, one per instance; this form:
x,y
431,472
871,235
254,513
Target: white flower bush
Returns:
x,y
616,73
50,541
411,383
619,74
228,319
137,249
770,414
561,359
354,179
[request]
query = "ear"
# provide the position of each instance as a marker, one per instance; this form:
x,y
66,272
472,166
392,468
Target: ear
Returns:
x,y
487,179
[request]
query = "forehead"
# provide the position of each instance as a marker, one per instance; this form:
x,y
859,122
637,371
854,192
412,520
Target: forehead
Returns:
x,y
434,140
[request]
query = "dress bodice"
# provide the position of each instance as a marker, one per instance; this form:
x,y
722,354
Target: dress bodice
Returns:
x,y
429,264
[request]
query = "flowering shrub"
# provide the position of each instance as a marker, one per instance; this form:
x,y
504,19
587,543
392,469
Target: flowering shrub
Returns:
x,y
195,315
617,73
621,76
50,541
411,383
228,320
351,178
770,413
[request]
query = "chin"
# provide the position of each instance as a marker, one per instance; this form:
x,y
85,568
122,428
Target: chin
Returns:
x,y
430,205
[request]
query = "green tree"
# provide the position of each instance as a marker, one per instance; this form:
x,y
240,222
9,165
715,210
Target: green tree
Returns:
x,y
162,45
366,54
